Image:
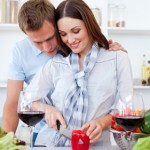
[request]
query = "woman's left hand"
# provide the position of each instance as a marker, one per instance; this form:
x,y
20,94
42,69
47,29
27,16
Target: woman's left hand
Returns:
x,y
93,129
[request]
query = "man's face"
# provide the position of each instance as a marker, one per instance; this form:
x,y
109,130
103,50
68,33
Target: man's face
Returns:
x,y
44,38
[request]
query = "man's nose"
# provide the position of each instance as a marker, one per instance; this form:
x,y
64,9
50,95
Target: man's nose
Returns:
x,y
46,45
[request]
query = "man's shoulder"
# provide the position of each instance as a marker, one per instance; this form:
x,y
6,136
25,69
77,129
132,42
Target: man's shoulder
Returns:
x,y
24,43
24,48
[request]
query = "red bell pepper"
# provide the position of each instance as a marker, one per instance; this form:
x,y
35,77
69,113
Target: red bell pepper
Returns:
x,y
137,130
77,136
115,126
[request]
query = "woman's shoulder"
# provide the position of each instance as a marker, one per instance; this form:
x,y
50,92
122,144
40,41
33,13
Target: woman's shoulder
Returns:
x,y
105,55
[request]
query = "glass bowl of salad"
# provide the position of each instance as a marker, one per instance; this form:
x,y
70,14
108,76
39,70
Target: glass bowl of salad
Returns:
x,y
120,135
120,138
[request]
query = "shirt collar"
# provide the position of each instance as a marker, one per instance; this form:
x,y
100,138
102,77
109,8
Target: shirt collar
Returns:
x,y
36,50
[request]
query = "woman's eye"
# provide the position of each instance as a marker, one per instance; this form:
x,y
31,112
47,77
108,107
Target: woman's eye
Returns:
x,y
76,31
62,34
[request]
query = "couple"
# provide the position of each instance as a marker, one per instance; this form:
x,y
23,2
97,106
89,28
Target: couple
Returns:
x,y
84,85
90,73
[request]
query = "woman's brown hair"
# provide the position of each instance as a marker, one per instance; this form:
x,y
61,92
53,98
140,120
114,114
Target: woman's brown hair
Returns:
x,y
78,9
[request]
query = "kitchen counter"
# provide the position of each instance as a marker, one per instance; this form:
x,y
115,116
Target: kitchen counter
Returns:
x,y
69,148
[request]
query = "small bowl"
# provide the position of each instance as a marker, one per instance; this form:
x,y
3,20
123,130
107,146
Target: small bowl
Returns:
x,y
121,139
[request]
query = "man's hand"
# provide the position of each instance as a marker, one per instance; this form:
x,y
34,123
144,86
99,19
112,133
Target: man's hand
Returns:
x,y
115,46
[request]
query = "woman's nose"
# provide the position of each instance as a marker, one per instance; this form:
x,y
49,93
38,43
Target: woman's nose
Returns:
x,y
71,39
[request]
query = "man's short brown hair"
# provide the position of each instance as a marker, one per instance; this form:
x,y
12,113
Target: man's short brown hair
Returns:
x,y
33,13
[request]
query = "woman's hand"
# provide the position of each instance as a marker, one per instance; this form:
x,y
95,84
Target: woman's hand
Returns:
x,y
52,115
93,129
115,46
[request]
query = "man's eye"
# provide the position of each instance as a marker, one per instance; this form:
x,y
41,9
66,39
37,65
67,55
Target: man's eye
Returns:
x,y
51,38
48,40
37,43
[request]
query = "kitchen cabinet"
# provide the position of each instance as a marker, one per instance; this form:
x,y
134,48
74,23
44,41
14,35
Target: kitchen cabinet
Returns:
x,y
135,37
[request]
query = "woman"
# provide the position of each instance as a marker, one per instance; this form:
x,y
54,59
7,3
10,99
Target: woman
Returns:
x,y
84,86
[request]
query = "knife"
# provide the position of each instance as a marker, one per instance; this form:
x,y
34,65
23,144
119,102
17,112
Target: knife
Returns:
x,y
64,131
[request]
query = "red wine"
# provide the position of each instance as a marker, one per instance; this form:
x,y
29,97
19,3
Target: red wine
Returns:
x,y
129,123
31,118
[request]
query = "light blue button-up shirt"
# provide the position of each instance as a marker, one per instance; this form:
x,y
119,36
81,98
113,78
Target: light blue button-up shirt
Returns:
x,y
111,75
25,61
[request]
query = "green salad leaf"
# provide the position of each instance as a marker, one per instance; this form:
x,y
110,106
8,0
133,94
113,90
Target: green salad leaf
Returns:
x,y
145,126
8,141
2,132
142,144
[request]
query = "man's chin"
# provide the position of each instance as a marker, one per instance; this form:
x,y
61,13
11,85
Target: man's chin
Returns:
x,y
51,53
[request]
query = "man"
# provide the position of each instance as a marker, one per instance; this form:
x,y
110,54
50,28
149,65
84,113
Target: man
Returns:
x,y
37,21
30,54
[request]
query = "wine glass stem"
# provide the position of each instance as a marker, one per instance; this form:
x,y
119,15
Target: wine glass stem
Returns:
x,y
31,137
129,138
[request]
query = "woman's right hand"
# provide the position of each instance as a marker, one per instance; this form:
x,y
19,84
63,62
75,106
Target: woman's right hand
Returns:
x,y
52,115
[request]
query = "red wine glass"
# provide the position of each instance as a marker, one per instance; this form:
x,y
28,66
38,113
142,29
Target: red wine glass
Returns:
x,y
129,112
31,109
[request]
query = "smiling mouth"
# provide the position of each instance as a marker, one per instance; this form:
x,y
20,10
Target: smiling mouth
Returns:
x,y
74,45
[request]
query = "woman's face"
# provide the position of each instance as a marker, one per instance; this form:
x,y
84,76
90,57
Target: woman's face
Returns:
x,y
74,34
